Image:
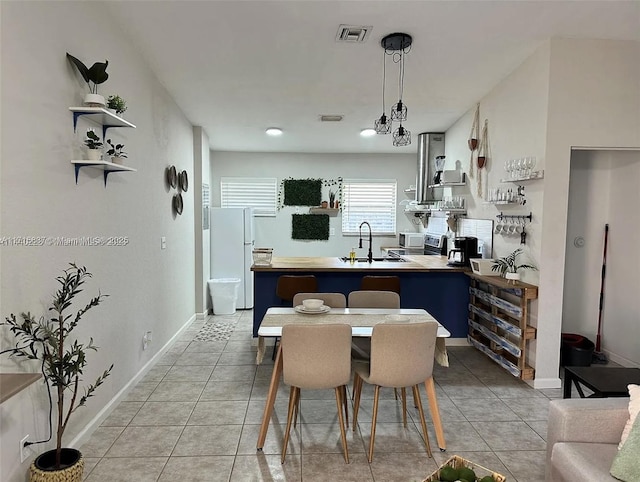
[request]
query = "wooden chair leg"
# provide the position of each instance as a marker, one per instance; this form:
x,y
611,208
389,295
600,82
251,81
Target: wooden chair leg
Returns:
x,y
357,388
373,421
343,435
275,348
403,390
345,402
296,408
292,398
416,395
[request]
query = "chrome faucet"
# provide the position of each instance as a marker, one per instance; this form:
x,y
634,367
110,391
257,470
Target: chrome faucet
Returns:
x,y
370,254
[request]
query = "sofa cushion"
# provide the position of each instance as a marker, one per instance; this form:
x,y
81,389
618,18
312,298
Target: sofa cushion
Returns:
x,y
586,462
634,409
626,464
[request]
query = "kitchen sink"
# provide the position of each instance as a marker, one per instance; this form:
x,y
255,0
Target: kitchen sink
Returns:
x,y
366,260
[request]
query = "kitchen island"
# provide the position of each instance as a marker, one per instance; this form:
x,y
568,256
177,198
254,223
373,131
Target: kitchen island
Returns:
x,y
426,282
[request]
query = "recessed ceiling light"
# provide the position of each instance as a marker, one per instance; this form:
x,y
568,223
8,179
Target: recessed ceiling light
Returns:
x,y
274,131
368,132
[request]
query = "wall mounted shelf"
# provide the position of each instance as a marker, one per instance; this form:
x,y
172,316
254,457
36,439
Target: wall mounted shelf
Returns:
x,y
107,167
99,116
534,175
448,184
327,211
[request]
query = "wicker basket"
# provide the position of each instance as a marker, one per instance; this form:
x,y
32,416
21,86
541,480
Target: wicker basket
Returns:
x,y
457,462
262,256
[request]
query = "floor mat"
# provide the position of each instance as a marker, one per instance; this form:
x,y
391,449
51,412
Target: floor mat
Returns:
x,y
217,329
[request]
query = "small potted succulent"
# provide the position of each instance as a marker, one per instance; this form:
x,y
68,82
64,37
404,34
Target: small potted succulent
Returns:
x,y
63,361
94,144
117,104
116,152
508,266
96,74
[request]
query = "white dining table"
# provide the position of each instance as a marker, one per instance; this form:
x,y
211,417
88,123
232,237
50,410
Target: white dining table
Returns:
x,y
362,321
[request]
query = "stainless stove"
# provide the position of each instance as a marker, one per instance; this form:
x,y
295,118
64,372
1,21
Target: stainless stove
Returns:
x,y
435,244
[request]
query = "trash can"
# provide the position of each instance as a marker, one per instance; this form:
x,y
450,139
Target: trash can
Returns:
x,y
576,350
224,294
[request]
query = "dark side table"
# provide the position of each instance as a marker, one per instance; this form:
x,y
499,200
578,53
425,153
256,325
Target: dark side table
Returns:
x,y
603,381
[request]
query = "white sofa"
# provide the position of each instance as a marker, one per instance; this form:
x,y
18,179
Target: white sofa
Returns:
x,y
582,438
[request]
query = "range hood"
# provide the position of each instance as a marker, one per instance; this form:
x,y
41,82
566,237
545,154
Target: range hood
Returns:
x,y
430,145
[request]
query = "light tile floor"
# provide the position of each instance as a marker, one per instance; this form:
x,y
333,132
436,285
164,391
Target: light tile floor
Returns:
x,y
195,417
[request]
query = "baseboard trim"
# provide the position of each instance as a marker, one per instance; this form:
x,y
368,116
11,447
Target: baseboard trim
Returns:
x,y
94,423
620,360
540,383
457,342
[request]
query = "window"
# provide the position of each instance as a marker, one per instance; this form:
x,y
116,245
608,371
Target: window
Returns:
x,y
259,193
369,200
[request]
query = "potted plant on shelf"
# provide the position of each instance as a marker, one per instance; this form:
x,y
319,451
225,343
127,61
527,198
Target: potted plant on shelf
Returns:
x,y
96,74
117,104
332,199
116,152
508,266
94,144
62,363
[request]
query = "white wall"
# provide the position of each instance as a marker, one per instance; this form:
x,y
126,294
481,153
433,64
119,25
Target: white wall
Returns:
x,y
603,189
276,232
149,288
594,101
568,93
201,170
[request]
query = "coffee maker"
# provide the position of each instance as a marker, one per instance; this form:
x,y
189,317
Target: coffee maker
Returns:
x,y
464,248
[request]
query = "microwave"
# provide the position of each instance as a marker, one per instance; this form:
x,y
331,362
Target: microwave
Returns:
x,y
411,240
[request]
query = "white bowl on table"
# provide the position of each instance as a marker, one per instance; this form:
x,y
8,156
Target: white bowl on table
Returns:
x,y
312,304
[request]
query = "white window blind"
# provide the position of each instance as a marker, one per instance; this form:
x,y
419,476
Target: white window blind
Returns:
x,y
259,193
369,200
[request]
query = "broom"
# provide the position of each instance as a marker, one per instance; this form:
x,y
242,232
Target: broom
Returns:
x,y
599,356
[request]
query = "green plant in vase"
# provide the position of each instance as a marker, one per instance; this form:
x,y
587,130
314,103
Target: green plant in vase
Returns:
x,y
508,266
93,76
332,199
94,144
116,103
116,152
62,364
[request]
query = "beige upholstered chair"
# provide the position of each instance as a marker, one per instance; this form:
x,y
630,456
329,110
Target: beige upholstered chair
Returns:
x,y
361,347
334,300
287,287
316,356
374,299
401,356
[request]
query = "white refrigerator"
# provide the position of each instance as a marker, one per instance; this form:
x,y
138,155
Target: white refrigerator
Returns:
x,y
232,241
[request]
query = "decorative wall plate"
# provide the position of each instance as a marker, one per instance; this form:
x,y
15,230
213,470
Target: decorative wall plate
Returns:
x,y
172,176
177,204
183,181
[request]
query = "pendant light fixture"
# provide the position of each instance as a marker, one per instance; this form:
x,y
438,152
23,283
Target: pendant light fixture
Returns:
x,y
397,45
383,124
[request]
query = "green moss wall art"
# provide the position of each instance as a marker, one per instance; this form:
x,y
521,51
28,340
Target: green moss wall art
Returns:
x,y
302,192
310,226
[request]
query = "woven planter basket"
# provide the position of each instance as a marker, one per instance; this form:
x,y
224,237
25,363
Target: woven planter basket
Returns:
x,y
72,473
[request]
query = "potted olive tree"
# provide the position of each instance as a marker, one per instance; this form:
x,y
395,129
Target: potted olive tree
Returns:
x,y
63,361
508,266
94,75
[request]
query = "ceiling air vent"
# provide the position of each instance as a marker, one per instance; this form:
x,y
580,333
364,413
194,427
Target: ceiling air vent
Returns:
x,y
353,33
331,118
